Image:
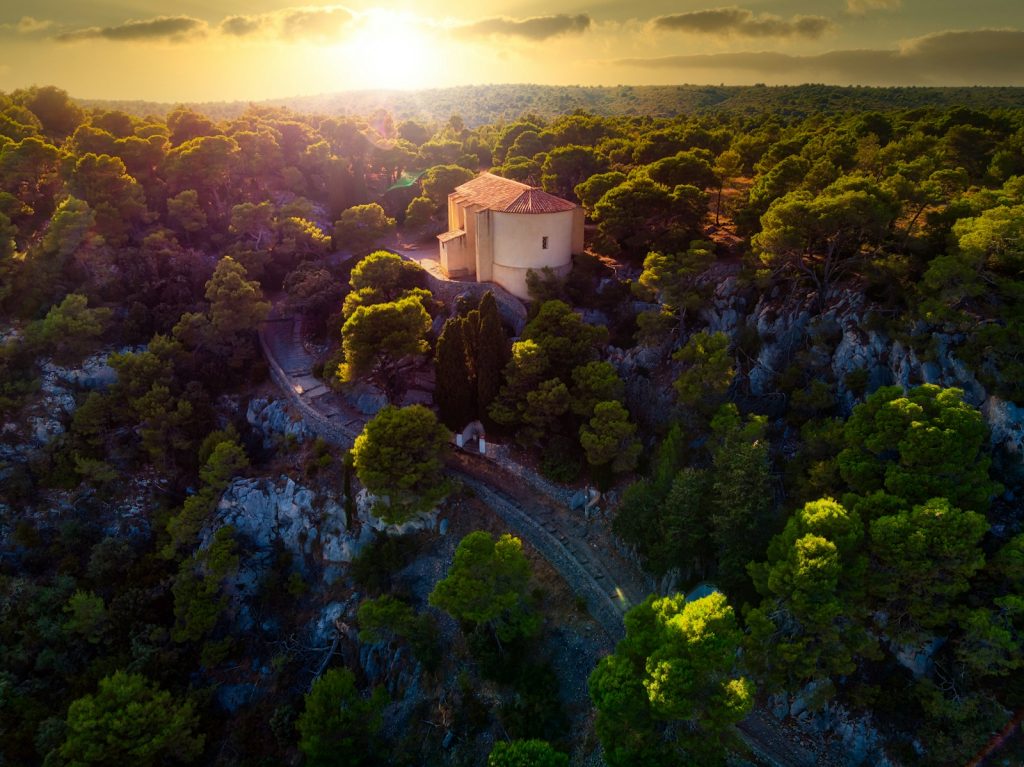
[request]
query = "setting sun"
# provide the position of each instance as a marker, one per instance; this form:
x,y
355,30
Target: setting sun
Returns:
x,y
390,50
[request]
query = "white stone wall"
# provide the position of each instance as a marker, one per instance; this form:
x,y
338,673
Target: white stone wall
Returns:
x,y
517,246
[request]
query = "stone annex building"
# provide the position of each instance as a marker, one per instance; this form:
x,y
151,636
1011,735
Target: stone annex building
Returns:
x,y
499,229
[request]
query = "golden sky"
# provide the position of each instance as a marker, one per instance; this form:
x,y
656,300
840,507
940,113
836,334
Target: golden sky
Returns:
x,y
197,50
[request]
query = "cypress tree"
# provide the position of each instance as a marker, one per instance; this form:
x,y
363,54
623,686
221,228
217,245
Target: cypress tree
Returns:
x,y
455,393
492,353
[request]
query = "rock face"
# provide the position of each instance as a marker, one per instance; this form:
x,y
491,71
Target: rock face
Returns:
x,y
269,515
272,418
842,340
1007,423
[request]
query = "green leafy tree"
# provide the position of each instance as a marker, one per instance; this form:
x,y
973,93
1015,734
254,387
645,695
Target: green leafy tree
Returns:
x,y
821,237
742,498
185,212
130,721
688,167
609,438
677,664
381,277
528,367
728,166
671,279
236,303
387,618
487,586
705,382
338,726
86,616
70,329
565,167
312,289
590,192
399,456
923,560
526,753
440,181
363,227
199,598
419,213
809,626
376,338
593,383
564,337
922,444
542,411
227,459
117,199
640,215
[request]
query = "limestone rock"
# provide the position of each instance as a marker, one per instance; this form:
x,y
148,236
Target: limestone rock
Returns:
x,y
94,372
365,503
274,417
1006,420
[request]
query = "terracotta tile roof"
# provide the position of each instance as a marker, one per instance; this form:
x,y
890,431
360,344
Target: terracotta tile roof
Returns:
x,y
454,234
508,196
538,201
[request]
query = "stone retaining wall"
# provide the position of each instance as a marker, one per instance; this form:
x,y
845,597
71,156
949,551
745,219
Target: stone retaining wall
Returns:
x,y
332,433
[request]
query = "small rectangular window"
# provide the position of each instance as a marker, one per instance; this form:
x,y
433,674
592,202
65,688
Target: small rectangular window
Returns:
x,y
544,243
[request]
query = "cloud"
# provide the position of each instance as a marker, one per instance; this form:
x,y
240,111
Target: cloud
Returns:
x,y
240,26
172,28
536,28
322,23
991,56
860,7
27,25
744,23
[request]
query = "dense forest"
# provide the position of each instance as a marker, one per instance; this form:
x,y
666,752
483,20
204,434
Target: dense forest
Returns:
x,y
790,358
480,104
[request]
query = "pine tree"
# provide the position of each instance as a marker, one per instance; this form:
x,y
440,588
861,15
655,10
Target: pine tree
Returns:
x,y
455,392
492,353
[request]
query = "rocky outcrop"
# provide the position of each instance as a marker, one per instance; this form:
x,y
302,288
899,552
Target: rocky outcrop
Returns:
x,y
365,503
93,373
1006,420
847,739
722,313
49,413
274,418
842,340
267,515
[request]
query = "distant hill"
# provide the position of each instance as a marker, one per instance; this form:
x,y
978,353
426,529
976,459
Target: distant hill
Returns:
x,y
478,104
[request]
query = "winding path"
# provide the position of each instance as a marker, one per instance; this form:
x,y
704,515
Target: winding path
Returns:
x,y
579,551
589,563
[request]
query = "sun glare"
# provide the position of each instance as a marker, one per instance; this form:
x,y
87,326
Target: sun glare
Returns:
x,y
389,50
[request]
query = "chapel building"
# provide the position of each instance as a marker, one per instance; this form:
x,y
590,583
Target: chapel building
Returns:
x,y
499,229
